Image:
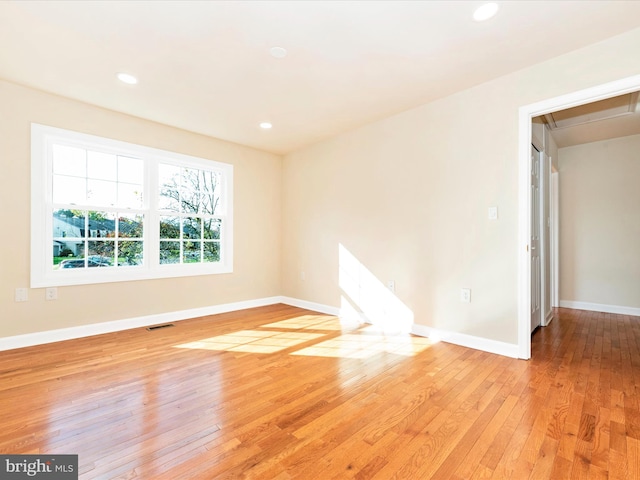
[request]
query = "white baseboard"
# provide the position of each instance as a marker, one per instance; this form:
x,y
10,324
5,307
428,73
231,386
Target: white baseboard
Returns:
x,y
316,307
469,341
50,336
600,307
478,343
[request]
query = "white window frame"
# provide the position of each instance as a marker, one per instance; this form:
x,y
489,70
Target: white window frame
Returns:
x,y
42,272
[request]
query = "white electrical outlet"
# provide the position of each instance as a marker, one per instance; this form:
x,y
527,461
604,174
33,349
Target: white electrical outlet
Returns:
x,y
391,285
303,276
51,293
465,295
493,213
22,295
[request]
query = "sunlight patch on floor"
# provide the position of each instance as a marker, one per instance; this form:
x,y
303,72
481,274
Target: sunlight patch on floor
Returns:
x,y
311,322
355,340
366,345
253,341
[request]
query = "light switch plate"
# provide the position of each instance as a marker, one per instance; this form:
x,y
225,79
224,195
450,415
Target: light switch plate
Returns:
x,y
465,295
22,295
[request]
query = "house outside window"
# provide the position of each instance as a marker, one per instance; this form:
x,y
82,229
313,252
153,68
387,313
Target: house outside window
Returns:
x,y
106,211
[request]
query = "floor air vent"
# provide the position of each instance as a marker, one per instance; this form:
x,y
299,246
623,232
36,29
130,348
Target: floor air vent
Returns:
x,y
158,327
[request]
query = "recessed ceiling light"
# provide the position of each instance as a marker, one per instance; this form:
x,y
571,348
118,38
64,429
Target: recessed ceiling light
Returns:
x,y
266,125
278,52
485,12
127,78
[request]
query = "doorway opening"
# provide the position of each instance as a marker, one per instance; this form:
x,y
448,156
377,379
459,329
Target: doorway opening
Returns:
x,y
525,203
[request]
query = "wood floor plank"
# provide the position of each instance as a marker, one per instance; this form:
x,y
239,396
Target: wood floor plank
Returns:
x,y
283,393
601,443
633,457
543,465
561,468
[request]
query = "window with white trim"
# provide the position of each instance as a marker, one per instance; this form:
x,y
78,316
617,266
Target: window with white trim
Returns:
x,y
108,211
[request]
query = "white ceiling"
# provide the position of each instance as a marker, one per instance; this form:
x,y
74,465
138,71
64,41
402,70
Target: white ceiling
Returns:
x,y
205,66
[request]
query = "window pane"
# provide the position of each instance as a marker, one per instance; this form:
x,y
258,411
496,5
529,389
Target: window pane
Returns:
x,y
169,252
191,252
102,166
169,227
210,182
169,188
169,180
210,192
71,190
72,263
102,225
130,253
191,178
69,161
67,249
190,202
199,191
68,224
210,203
212,229
130,226
102,193
169,175
130,195
130,170
101,253
211,252
192,228
169,200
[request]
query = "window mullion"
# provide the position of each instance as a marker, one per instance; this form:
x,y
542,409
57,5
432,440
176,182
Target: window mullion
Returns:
x,y
151,232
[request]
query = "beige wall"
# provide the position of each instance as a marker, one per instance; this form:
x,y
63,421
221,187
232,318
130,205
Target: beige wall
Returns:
x,y
408,196
600,222
257,196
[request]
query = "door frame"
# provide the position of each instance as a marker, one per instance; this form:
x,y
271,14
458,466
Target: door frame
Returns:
x,y
546,280
555,239
525,114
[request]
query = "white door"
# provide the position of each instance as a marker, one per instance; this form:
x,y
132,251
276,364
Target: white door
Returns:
x,y
536,278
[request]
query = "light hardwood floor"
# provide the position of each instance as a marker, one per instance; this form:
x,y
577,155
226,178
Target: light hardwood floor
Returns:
x,y
279,392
